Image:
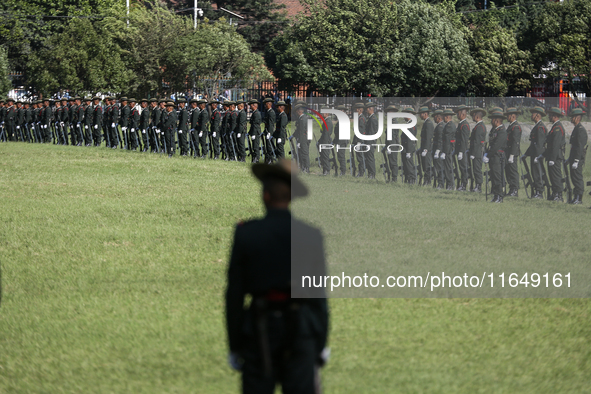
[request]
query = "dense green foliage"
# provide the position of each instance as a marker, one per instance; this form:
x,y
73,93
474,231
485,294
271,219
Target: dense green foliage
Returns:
x,y
114,264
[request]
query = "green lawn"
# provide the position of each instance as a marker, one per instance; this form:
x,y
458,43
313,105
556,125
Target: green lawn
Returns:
x,y
113,270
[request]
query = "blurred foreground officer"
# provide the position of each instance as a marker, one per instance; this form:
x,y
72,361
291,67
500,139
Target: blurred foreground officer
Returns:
x,y
277,339
477,138
578,150
554,154
496,153
513,151
537,138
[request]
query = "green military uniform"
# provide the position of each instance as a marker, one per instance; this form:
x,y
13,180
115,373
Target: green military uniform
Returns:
x,y
576,159
409,148
255,132
437,146
426,150
371,128
448,140
477,139
270,121
392,151
215,127
116,138
10,119
512,153
357,148
277,339
144,124
554,154
194,125
73,119
340,144
537,138
183,127
20,121
280,131
88,116
496,155
241,131
226,146
134,123
97,122
301,136
203,129
153,128
28,123
326,139
169,125
46,115
462,138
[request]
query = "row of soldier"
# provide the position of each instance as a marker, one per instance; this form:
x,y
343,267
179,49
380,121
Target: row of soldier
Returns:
x,y
151,125
452,155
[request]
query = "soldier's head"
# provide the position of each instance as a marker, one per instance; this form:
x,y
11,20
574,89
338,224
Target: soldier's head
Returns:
x,y
371,108
202,104
253,104
64,101
537,113
268,103
87,101
280,106
512,114
477,114
46,102
447,118
437,115
576,115
131,102
182,102
232,106
153,103
193,103
240,105
96,100
279,184
170,106
57,103
424,113
143,103
26,105
162,104
359,108
409,110
496,116
299,109
19,104
461,112
554,114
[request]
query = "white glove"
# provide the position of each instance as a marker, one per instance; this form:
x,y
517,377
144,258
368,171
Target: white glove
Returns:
x,y
442,157
253,137
213,134
44,126
278,140
18,127
485,159
269,136
158,131
510,160
460,156
536,160
436,156
424,153
85,126
299,145
113,125
238,135
408,155
200,134
550,163
62,124
180,131
124,128
234,362
324,356
575,164
132,130
471,157
95,126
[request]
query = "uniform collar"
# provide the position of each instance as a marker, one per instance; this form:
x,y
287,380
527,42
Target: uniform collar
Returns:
x,y
275,212
555,123
515,121
538,122
480,121
463,120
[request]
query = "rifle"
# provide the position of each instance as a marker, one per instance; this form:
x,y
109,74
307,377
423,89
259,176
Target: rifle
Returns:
x,y
156,139
317,150
352,162
503,181
420,166
231,138
527,178
334,161
386,166
294,150
542,170
106,135
566,180
210,144
191,133
486,171
456,172
20,131
2,134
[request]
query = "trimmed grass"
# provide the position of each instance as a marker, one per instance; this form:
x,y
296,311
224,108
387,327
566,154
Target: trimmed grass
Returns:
x,y
113,270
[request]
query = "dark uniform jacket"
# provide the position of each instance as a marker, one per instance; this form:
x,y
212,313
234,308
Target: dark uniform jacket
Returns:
x,y
216,122
270,121
156,115
371,127
408,145
255,123
88,116
134,118
361,125
232,121
537,139
98,116
497,141
555,142
115,115
183,120
261,265
170,121
241,123
578,140
301,126
477,139
427,134
47,115
195,119
124,119
513,139
203,121
145,119
73,114
462,137
448,138
438,136
281,127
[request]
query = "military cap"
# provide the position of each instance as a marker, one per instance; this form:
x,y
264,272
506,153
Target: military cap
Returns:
x,y
170,104
268,100
202,101
132,100
96,98
181,100
424,109
409,110
496,113
9,99
280,103
438,112
71,99
153,100
539,110
555,111
64,99
513,110
252,101
576,112
18,102
78,98
341,107
461,108
392,108
87,99
193,100
144,100
1,100
217,102
239,102
447,112
474,110
370,104
358,105
229,102
299,106
284,171
162,101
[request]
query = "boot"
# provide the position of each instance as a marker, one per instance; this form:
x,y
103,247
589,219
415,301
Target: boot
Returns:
x,y
499,199
495,198
558,197
577,199
513,193
462,188
538,194
477,189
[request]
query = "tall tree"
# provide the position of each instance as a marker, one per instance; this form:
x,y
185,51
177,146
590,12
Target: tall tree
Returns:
x,y
5,84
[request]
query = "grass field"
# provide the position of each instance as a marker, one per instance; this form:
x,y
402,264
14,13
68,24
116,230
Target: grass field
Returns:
x,y
113,270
